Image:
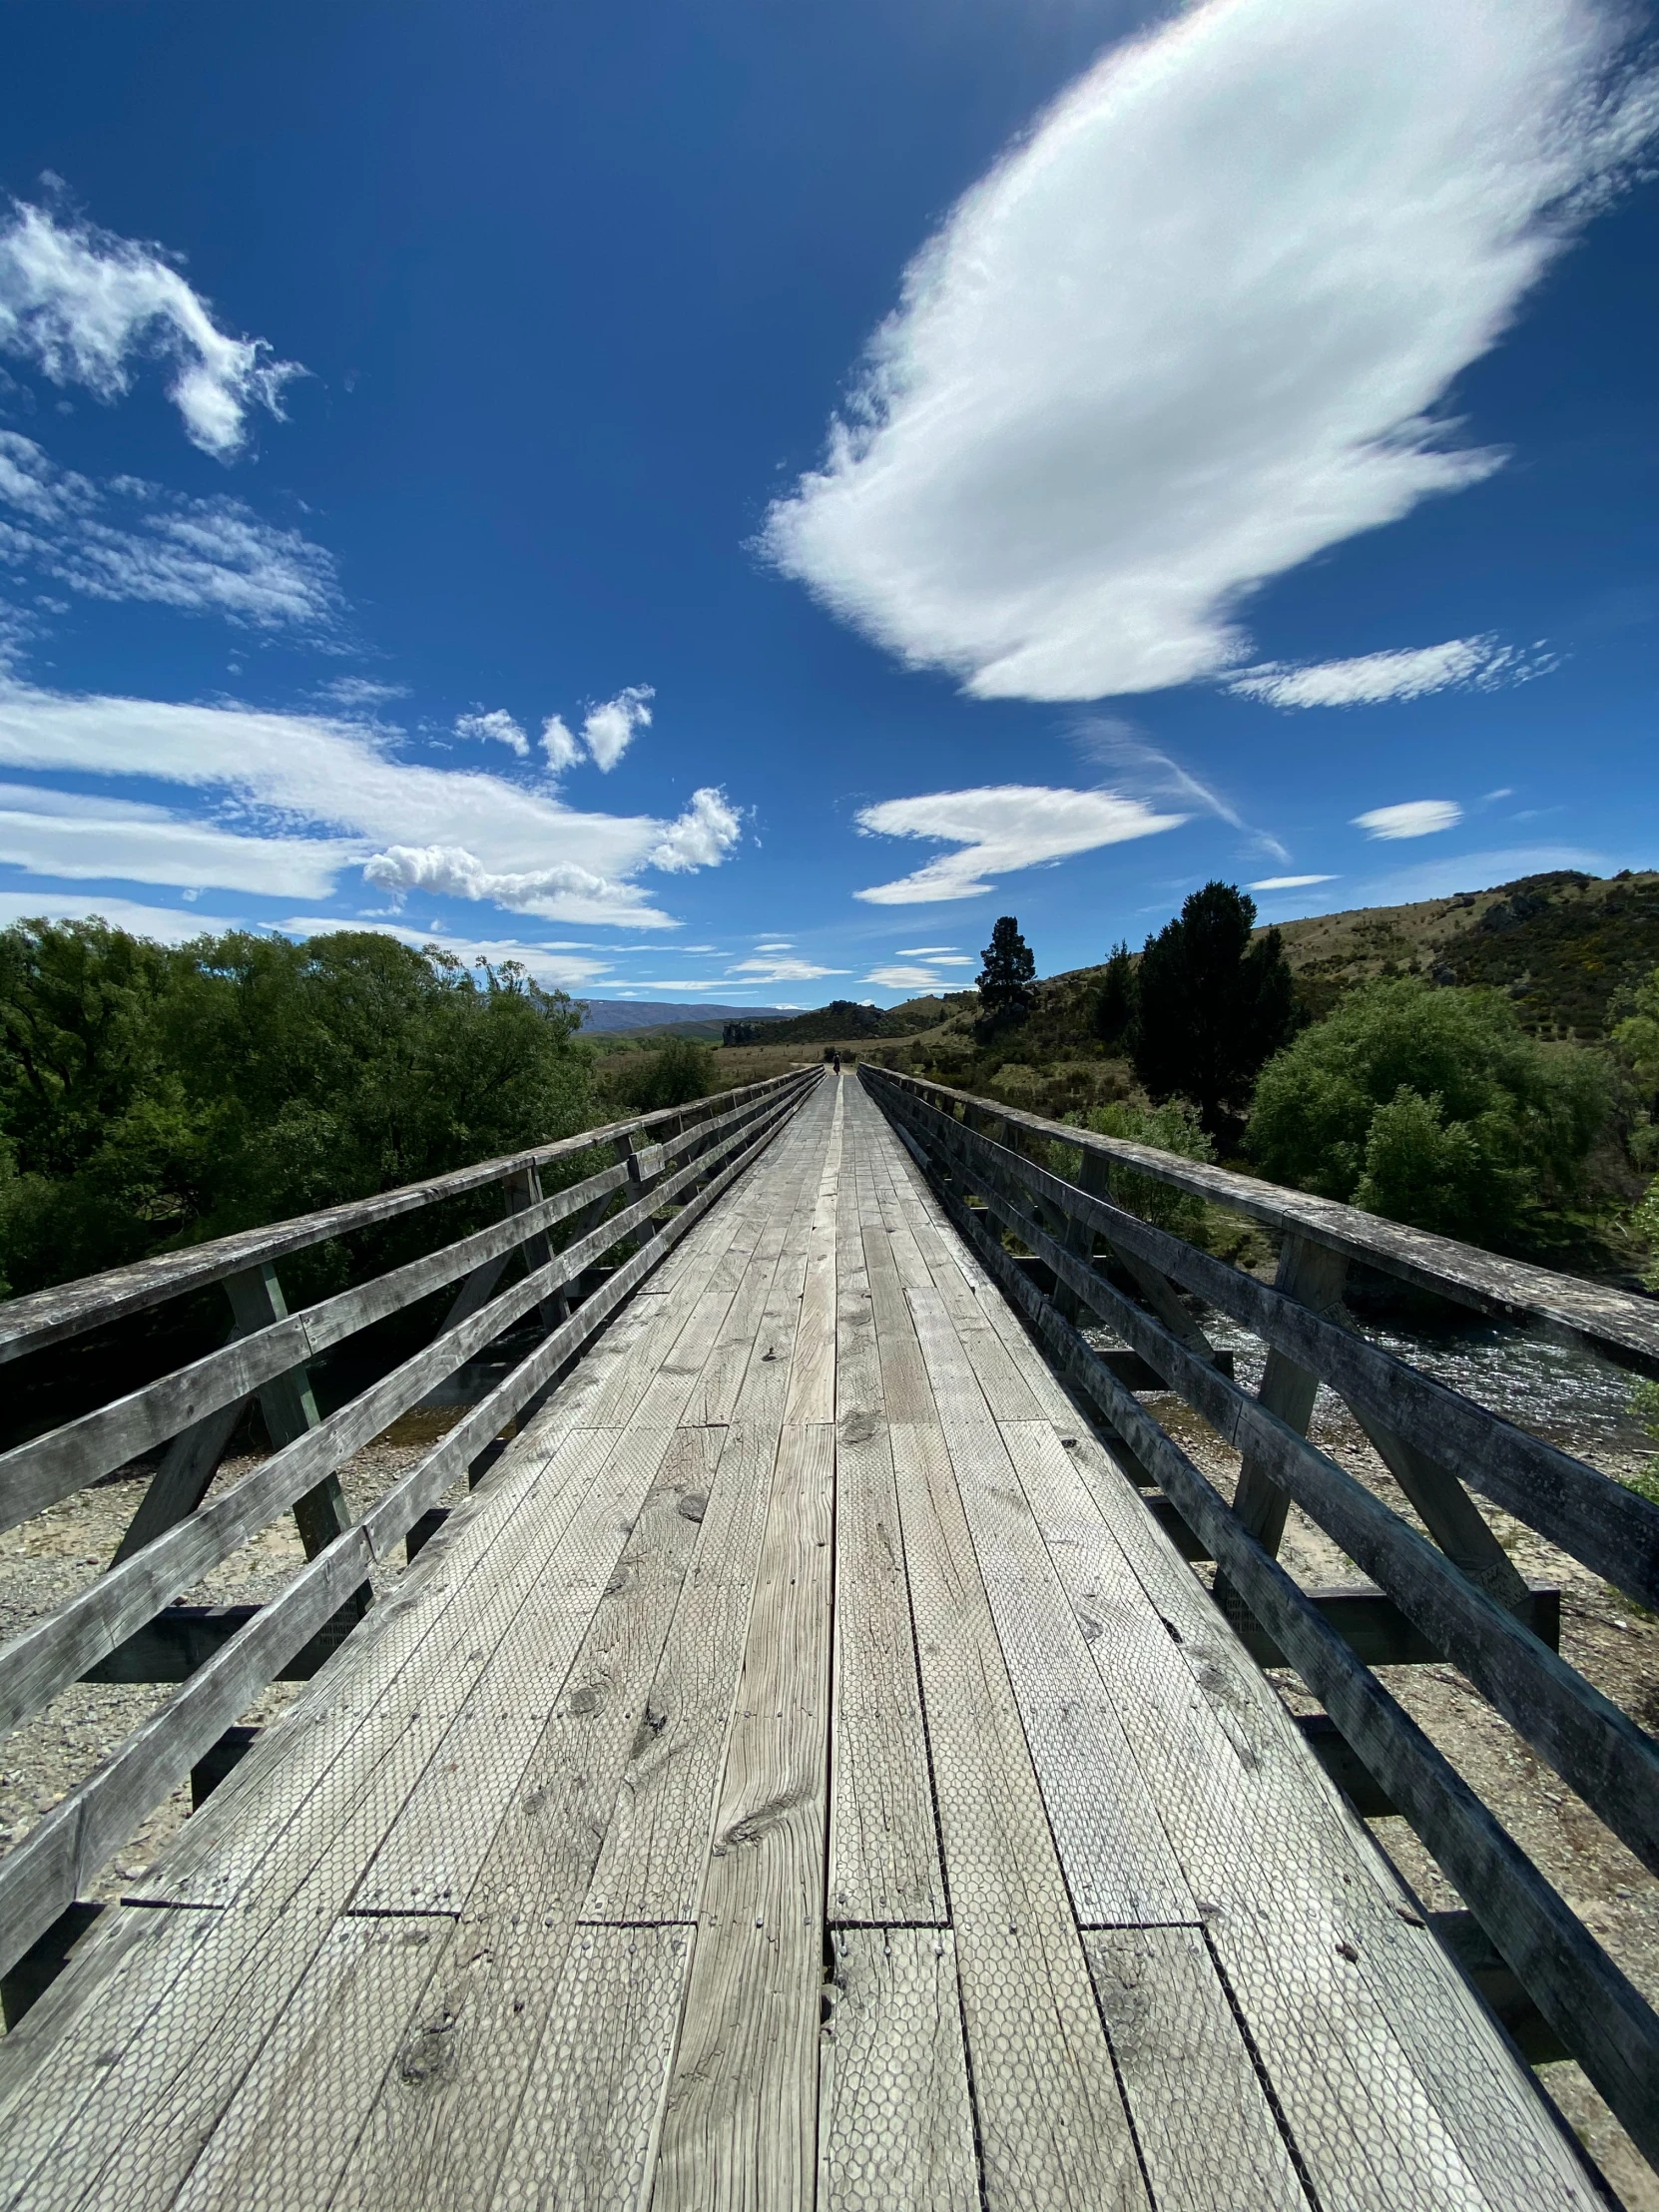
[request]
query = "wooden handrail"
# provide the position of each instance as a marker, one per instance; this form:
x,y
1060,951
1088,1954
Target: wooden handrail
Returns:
x,y
1619,1324
43,1318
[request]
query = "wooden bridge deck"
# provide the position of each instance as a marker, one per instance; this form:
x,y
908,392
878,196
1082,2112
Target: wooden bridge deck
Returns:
x,y
804,1773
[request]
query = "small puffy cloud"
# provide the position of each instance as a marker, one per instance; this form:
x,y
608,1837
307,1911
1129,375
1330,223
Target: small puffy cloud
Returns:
x,y
783,972
83,306
1287,883
1195,326
900,978
131,540
560,747
700,837
1464,662
999,827
775,944
564,893
609,729
1413,817
496,727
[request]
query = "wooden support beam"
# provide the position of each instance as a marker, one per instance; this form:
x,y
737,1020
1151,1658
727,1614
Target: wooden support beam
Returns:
x,y
1502,1989
1346,1767
1377,1632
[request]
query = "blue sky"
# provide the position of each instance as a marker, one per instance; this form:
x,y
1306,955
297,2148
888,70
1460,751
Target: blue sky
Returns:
x,y
724,503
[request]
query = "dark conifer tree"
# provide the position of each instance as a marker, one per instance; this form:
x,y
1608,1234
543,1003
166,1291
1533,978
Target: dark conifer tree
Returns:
x,y
1114,1006
1212,1005
1007,994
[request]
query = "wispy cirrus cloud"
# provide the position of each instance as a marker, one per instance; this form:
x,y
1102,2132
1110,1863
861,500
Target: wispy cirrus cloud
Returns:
x,y
1145,771
781,971
496,727
1287,883
1194,328
84,306
998,828
1463,664
1411,818
131,540
899,977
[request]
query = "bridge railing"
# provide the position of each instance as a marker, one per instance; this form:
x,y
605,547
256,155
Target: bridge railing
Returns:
x,y
1454,1594
127,1625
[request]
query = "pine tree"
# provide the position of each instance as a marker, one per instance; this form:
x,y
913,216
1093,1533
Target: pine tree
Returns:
x,y
1212,1008
1114,1006
1006,995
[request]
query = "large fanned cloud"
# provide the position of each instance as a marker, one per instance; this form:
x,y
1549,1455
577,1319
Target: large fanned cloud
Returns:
x,y
83,306
998,829
1195,326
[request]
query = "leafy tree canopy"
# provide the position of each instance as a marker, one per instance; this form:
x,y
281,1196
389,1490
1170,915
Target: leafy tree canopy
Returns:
x,y
1432,1107
1212,1007
152,1096
1007,979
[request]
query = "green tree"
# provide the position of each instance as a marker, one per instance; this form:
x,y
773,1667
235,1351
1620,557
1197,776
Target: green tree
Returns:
x,y
641,1083
151,1097
1115,1002
1169,1128
1007,994
1212,1007
1433,1107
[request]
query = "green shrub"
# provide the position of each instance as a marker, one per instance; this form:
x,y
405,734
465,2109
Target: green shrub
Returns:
x,y
642,1083
1171,1128
1431,1107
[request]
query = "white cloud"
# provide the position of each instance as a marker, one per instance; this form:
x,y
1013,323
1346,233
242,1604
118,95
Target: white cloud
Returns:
x,y
94,840
901,979
700,837
783,972
498,727
1467,663
923,951
775,944
167,924
1193,327
1000,827
564,893
360,691
609,729
560,747
297,773
81,305
1287,883
203,555
1141,769
1413,817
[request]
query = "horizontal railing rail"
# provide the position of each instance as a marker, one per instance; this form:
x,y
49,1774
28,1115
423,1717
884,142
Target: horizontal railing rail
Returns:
x,y
118,1626
1618,1325
1456,1597
44,1317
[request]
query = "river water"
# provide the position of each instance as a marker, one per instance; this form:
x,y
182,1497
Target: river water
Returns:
x,y
1568,1397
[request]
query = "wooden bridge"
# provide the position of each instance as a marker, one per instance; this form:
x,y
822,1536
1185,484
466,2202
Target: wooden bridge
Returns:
x,y
801,1766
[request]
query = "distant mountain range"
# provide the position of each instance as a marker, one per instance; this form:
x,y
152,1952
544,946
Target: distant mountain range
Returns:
x,y
609,1014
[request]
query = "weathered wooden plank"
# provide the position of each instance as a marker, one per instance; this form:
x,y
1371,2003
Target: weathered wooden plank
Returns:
x,y
587,2125
895,2120
1052,2126
884,1845
1288,1878
811,1393
905,1388
1117,1859
738,2125
1173,2031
